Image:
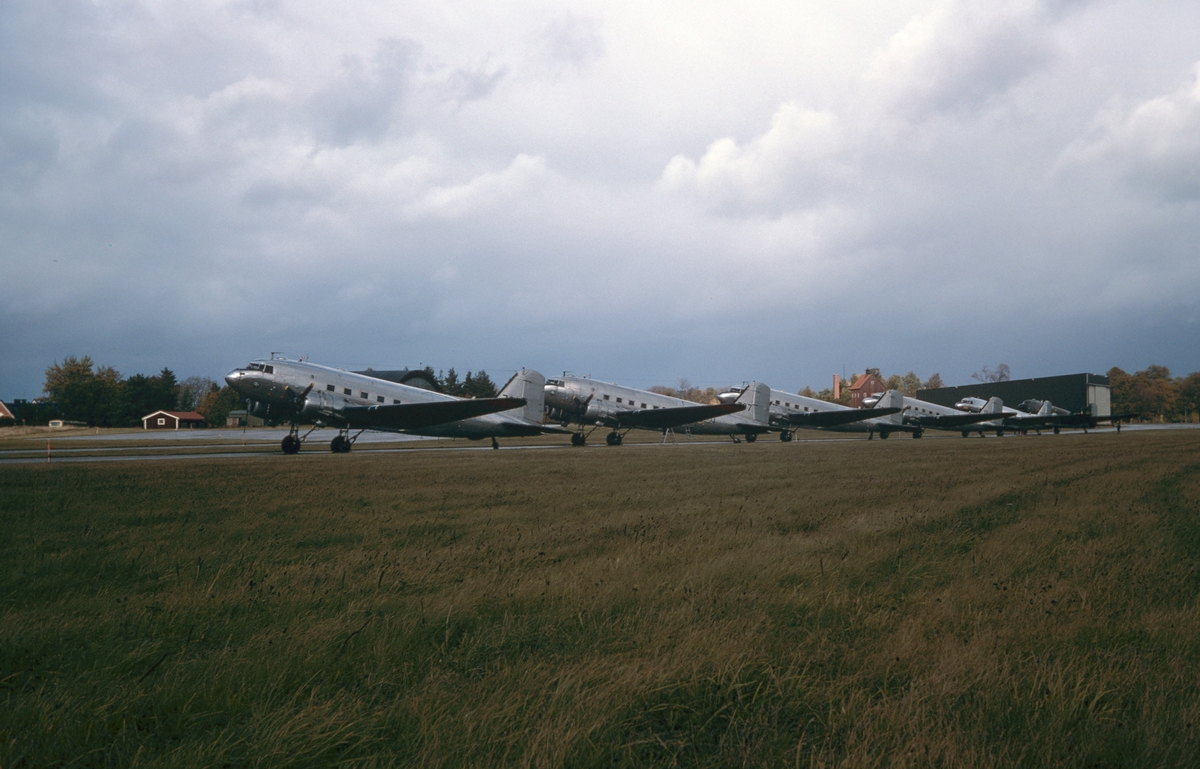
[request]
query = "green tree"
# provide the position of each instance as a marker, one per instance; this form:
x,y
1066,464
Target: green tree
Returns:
x,y
216,405
934,382
479,385
1188,389
909,384
80,393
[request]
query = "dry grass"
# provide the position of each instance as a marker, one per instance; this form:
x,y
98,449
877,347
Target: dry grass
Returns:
x,y
1016,602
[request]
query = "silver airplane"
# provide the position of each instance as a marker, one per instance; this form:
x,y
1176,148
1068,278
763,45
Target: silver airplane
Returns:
x,y
789,411
1037,414
923,414
591,403
297,392
1018,421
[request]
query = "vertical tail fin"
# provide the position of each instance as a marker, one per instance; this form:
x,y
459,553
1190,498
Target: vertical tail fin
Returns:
x,y
892,399
993,406
531,386
757,398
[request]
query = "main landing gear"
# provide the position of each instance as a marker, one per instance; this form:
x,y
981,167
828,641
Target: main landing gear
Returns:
x,y
343,443
785,435
292,441
578,439
614,438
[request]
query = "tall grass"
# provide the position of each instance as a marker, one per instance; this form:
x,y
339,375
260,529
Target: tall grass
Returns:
x,y
1016,602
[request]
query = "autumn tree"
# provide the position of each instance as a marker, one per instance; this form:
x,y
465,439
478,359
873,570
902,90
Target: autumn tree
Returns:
x,y
191,390
934,382
1188,389
1154,392
80,393
1001,374
217,403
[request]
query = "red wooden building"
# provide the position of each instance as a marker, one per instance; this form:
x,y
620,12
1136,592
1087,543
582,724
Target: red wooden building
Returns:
x,y
865,386
172,420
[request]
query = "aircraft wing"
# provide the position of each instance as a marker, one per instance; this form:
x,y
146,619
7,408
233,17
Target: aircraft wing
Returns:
x,y
1087,421
411,416
662,419
951,421
833,418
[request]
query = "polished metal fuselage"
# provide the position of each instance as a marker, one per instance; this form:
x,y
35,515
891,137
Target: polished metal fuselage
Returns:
x,y
587,401
282,390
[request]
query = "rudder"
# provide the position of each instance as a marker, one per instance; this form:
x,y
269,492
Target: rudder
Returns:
x,y
531,386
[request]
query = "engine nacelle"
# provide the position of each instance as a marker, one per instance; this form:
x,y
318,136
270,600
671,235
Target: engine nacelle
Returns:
x,y
597,410
315,405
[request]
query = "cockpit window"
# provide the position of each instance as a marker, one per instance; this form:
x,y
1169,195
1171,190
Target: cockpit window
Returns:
x,y
554,382
269,369
255,366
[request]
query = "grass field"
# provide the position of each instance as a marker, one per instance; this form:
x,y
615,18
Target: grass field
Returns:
x,y
1017,602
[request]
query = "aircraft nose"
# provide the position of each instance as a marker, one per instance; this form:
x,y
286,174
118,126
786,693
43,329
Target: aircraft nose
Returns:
x,y
234,378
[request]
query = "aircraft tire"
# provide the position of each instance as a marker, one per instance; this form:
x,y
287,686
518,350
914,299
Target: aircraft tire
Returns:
x,y
613,439
918,434
999,433
577,439
785,436
883,434
966,433
751,437
290,444
1056,430
335,445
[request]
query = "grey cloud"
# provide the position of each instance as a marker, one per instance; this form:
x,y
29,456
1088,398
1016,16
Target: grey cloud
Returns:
x,y
366,101
961,55
1153,146
571,40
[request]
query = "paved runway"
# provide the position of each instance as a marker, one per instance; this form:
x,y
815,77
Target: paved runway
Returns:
x,y
260,442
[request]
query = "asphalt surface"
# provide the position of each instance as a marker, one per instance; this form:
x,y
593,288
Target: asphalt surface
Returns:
x,y
259,442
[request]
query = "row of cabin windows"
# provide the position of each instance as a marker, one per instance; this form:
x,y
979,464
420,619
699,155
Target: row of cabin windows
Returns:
x,y
790,405
363,395
631,402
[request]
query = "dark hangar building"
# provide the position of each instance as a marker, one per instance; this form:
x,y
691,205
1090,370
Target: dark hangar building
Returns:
x,y
1086,393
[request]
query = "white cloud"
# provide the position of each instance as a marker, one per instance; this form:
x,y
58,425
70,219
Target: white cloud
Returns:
x,y
960,55
483,191
1154,145
794,163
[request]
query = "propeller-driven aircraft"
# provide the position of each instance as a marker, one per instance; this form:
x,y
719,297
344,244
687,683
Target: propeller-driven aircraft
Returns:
x,y
1044,416
298,392
1036,414
789,411
592,404
923,414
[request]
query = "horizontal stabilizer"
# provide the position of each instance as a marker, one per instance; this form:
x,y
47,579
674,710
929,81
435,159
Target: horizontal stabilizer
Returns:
x,y
412,416
834,418
662,419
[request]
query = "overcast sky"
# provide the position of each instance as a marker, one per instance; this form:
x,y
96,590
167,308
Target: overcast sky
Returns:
x,y
772,191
